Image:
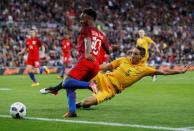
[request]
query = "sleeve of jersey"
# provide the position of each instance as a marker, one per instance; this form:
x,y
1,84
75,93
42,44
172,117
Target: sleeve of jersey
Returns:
x,y
116,63
150,70
150,41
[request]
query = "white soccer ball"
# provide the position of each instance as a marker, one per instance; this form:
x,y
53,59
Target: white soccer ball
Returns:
x,y
17,110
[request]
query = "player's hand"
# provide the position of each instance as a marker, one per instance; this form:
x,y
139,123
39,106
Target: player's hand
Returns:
x,y
42,56
19,54
186,68
157,50
90,57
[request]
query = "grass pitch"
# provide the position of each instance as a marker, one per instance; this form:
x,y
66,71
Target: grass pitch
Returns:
x,y
167,102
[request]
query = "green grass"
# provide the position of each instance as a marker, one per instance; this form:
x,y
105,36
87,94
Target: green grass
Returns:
x,y
167,102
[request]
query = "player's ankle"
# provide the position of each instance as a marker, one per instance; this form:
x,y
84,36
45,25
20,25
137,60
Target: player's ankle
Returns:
x,y
70,114
79,105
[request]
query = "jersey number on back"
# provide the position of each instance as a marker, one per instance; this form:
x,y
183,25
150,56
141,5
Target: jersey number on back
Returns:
x,y
96,45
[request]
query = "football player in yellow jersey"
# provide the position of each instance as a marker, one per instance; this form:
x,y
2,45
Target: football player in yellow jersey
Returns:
x,y
145,42
125,72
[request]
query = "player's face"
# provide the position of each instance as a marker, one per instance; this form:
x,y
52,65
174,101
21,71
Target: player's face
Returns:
x,y
141,33
32,33
135,56
84,18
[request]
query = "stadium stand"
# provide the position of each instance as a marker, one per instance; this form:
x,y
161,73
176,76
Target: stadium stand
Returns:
x,y
172,30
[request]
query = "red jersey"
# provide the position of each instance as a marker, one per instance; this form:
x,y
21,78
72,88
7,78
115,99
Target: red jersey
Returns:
x,y
103,57
98,41
33,45
66,46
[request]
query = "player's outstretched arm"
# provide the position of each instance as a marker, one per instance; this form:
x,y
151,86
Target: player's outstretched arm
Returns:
x,y
22,52
155,45
172,71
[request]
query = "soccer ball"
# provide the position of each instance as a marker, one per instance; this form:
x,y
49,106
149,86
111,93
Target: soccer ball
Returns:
x,y
17,110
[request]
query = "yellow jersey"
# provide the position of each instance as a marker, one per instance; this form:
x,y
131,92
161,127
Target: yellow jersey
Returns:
x,y
145,42
125,73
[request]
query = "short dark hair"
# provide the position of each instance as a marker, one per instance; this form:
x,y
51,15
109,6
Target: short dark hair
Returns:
x,y
91,12
142,50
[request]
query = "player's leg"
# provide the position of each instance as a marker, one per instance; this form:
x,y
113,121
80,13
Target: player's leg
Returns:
x,y
71,99
105,92
70,83
62,72
75,72
87,102
103,95
32,75
42,69
83,70
65,64
71,95
53,90
78,72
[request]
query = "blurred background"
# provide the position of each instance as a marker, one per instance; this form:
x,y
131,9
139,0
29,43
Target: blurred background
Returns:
x,y
170,23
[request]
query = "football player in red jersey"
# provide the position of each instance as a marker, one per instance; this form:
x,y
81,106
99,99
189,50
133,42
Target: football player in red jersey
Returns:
x,y
90,42
66,45
33,61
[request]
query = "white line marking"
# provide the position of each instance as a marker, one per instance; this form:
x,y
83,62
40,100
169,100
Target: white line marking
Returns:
x,y
191,128
5,89
104,123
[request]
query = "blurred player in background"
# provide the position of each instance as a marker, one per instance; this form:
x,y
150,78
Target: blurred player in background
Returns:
x,y
33,60
125,71
145,42
66,46
90,42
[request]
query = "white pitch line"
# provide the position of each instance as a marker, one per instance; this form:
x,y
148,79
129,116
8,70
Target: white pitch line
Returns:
x,y
104,123
5,89
190,128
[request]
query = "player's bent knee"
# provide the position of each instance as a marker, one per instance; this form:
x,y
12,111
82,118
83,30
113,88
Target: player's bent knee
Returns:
x,y
67,83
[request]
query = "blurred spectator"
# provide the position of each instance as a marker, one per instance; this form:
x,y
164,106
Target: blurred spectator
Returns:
x,y
169,23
